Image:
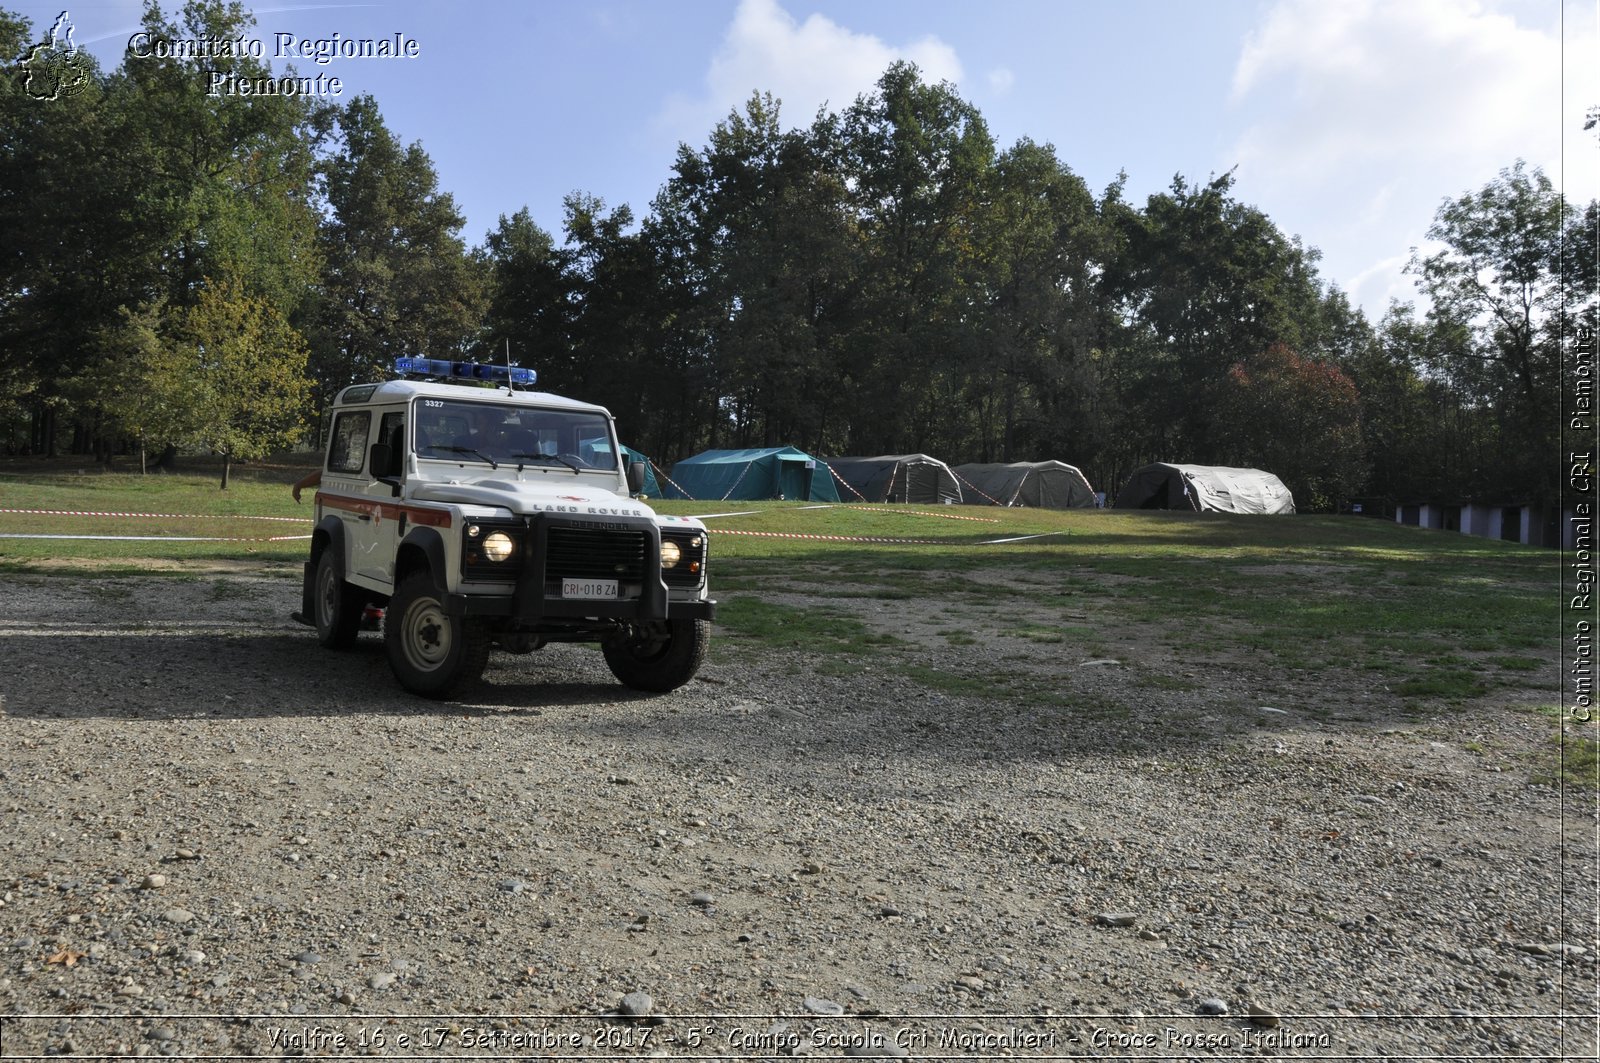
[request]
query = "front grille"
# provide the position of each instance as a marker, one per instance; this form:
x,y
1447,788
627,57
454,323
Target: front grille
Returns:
x,y
591,553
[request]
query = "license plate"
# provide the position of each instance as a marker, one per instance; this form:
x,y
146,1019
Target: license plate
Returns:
x,y
588,588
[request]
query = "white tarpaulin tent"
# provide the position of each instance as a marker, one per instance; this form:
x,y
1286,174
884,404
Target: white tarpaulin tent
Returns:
x,y
1204,489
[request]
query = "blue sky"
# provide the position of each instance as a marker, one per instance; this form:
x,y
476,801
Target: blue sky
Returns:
x,y
1347,122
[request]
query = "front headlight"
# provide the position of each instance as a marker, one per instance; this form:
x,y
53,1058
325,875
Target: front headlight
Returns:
x,y
670,554
498,546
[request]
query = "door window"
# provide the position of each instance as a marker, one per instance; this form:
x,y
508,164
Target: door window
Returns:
x,y
392,430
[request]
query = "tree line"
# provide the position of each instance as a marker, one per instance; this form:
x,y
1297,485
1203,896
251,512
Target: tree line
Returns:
x,y
207,272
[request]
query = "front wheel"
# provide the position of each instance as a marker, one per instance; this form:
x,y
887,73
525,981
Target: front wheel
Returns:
x,y
432,652
659,655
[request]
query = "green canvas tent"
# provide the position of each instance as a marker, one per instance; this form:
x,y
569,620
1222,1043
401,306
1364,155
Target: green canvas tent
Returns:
x,y
898,478
1204,489
778,472
1040,484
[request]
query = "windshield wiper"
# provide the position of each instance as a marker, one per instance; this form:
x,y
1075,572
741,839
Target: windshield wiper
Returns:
x,y
547,458
464,450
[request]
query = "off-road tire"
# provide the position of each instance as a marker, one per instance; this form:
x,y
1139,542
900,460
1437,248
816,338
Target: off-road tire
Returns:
x,y
432,652
335,604
659,655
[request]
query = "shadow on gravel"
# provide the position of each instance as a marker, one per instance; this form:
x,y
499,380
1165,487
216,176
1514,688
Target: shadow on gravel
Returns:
x,y
171,675
866,721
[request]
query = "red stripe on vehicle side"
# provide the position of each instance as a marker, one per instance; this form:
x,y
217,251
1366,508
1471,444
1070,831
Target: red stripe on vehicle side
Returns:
x,y
435,518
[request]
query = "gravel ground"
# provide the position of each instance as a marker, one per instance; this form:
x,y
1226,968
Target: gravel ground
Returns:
x,y
218,839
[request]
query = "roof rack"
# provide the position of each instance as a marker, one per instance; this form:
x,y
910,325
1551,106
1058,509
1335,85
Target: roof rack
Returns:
x,y
442,369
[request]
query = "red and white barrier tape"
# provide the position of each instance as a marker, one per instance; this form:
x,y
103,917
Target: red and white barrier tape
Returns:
x,y
164,516
922,513
968,483
673,482
833,538
164,538
157,516
290,538
848,484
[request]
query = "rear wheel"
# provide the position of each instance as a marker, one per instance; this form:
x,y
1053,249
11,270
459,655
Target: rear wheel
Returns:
x,y
432,652
659,655
336,605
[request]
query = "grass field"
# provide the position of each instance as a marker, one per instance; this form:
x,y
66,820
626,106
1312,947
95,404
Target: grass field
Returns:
x,y
1449,614
174,510
1301,588
1436,619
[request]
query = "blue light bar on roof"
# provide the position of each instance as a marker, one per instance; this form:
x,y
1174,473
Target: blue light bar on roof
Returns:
x,y
444,369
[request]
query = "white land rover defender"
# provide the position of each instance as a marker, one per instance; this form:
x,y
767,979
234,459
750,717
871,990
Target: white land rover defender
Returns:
x,y
479,516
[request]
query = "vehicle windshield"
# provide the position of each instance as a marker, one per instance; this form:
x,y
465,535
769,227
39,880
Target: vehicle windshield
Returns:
x,y
460,430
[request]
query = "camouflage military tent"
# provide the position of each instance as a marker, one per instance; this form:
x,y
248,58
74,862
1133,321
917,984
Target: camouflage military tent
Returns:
x,y
898,478
1040,484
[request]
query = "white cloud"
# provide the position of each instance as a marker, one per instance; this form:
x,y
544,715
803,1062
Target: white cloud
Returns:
x,y
1367,81
1358,118
806,65
1381,283
1001,80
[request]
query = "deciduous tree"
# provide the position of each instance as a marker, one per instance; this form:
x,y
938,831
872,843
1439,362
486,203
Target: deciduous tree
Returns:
x,y
1500,284
130,191
146,388
247,369
1207,279
758,225
918,160
1297,417
1033,385
529,300
398,279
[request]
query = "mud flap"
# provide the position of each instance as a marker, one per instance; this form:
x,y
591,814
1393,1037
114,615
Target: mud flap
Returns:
x,y
305,615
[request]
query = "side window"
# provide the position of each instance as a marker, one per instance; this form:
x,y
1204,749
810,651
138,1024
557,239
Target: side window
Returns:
x,y
347,451
392,430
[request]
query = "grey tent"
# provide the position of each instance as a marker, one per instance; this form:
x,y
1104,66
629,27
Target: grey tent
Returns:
x,y
899,478
1204,489
1040,484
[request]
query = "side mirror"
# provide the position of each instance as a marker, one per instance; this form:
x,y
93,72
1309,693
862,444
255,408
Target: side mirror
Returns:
x,y
636,471
384,461
386,466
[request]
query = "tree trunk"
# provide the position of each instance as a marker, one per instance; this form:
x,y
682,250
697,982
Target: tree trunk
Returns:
x,y
227,462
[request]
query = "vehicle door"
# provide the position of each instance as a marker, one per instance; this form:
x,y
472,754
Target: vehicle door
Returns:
x,y
375,532
343,489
